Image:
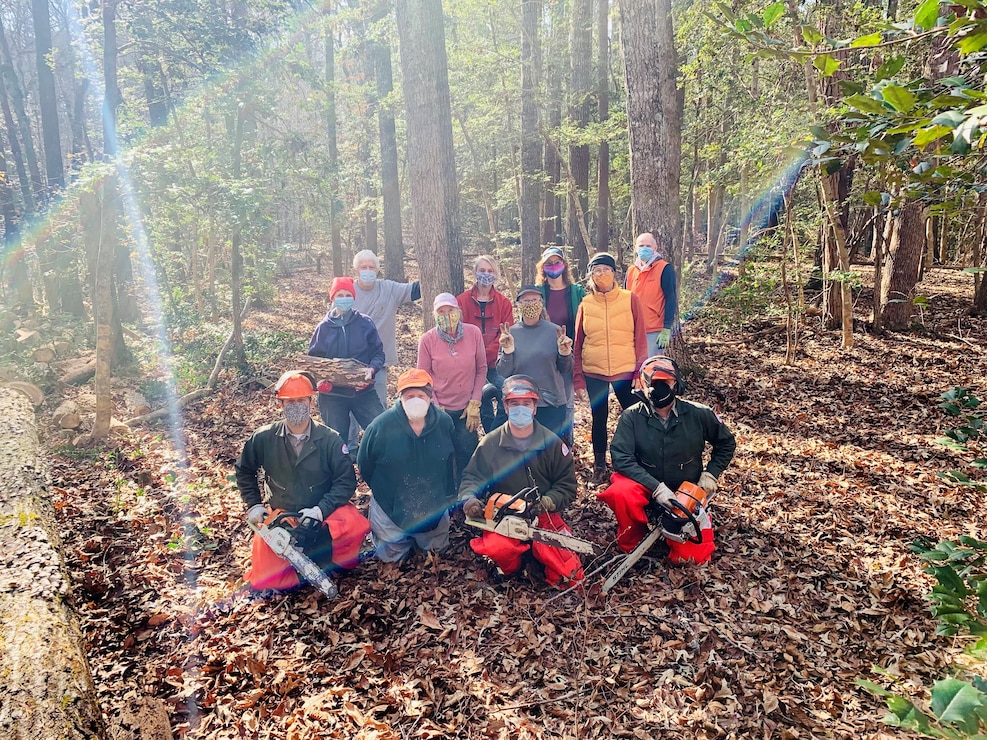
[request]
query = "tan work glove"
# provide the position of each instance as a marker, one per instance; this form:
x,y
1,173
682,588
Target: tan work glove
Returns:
x,y
506,339
565,343
708,483
472,415
473,509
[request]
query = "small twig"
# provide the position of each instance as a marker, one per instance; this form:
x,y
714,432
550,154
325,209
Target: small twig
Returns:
x,y
574,692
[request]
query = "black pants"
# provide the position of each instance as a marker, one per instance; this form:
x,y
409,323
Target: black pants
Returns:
x,y
556,418
464,443
599,396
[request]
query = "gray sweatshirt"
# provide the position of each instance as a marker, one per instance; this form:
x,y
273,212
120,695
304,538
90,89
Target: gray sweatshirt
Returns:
x,y
381,303
536,354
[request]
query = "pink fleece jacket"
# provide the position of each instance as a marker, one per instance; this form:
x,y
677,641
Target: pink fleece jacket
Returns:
x,y
458,370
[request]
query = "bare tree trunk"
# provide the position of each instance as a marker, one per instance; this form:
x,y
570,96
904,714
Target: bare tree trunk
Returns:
x,y
335,206
236,257
979,259
390,181
837,257
653,118
603,95
431,157
900,268
12,88
530,205
580,90
47,100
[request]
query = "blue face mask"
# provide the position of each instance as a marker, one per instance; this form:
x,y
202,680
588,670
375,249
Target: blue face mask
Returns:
x,y
368,277
520,416
343,303
645,254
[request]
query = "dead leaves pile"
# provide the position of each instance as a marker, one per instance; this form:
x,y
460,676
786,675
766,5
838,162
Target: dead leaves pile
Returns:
x,y
811,585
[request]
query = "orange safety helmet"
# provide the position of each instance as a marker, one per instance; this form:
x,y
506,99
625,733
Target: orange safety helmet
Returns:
x,y
520,386
660,367
295,384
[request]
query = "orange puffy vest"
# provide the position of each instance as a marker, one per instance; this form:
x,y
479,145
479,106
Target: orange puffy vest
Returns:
x,y
646,285
608,329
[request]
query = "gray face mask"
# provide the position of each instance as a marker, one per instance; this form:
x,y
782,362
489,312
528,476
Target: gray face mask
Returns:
x,y
296,412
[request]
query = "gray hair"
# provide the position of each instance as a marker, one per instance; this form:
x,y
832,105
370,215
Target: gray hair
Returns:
x,y
366,254
487,258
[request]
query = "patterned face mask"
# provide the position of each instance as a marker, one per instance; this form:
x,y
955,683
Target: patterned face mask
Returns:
x,y
531,311
556,270
485,278
296,412
448,323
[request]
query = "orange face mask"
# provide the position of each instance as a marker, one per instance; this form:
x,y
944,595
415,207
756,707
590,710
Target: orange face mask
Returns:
x,y
604,281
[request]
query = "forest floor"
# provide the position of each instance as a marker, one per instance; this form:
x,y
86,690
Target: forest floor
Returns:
x,y
812,584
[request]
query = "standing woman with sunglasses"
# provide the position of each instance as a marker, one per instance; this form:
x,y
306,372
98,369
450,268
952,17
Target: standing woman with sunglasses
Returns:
x,y
610,346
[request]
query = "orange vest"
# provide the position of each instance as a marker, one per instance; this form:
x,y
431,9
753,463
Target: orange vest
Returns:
x,y
646,285
608,329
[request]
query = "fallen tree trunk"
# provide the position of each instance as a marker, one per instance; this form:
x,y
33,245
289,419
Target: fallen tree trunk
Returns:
x,y
78,371
46,688
345,372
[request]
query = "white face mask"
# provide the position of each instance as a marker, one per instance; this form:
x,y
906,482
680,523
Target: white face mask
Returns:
x,y
415,408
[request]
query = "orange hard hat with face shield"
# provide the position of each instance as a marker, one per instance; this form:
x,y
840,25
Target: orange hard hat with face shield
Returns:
x,y
520,386
660,367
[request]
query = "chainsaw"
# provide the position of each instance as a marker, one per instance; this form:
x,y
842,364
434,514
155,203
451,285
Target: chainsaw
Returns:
x,y
682,519
282,536
513,516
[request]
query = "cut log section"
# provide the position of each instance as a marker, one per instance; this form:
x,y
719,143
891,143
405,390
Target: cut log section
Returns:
x,y
78,371
33,393
43,354
67,415
47,688
137,405
345,372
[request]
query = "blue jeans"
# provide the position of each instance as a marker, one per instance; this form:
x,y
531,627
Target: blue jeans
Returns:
x,y
491,392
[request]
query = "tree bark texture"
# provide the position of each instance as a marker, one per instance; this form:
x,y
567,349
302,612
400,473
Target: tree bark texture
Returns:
x,y
390,180
13,97
431,157
580,92
603,103
653,118
530,207
47,100
900,267
838,302
552,228
47,689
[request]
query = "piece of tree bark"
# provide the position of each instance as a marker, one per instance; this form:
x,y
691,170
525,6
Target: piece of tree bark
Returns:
x,y
78,371
31,391
136,403
67,415
44,354
28,337
345,372
47,687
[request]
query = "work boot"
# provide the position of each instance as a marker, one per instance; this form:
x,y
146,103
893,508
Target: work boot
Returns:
x,y
600,471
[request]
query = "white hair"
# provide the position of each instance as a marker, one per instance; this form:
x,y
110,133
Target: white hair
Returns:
x,y
366,254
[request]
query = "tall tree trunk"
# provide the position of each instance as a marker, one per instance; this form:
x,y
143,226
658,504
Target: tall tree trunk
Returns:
x,y
653,118
19,292
836,258
431,157
980,259
390,180
47,100
530,206
900,266
99,209
12,90
580,91
552,228
111,88
236,257
603,101
335,207
27,195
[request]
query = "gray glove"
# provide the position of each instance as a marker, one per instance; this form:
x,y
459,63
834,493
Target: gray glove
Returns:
x,y
473,509
664,495
257,514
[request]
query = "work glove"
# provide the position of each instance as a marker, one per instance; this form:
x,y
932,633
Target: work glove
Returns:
x,y
368,374
664,337
547,504
473,509
565,343
257,514
313,512
506,339
707,482
472,415
664,495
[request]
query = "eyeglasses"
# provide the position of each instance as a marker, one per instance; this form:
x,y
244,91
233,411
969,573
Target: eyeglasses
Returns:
x,y
601,270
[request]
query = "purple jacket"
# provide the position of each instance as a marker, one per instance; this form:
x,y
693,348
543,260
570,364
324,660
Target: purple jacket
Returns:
x,y
353,335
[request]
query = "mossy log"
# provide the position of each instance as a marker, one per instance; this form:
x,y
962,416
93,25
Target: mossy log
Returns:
x,y
46,688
